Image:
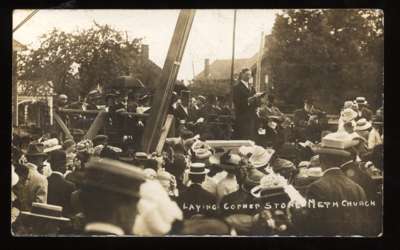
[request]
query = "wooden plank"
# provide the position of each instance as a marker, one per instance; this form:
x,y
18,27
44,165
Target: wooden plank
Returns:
x,y
62,125
163,93
164,133
96,125
233,145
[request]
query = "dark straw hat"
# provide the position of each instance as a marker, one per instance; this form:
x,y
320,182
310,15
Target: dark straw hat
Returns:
x,y
35,149
46,211
113,176
58,157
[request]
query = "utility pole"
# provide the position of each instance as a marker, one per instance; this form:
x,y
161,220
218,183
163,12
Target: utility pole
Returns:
x,y
25,20
163,93
233,53
193,69
259,62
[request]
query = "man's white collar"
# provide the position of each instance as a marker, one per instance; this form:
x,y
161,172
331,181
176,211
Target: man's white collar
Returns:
x,y
56,172
246,84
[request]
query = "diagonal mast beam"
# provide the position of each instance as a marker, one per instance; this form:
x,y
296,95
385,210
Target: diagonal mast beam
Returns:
x,y
163,93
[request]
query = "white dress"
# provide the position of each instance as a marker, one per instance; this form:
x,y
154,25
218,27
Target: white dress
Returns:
x,y
374,139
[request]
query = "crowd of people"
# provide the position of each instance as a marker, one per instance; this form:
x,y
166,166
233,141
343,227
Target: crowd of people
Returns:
x,y
77,186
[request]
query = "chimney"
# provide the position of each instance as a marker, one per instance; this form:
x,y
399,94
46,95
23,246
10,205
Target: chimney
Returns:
x,y
206,67
145,51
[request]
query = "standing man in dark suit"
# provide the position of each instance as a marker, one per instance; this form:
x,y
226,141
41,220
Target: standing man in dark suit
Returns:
x,y
195,199
182,107
245,100
333,187
60,189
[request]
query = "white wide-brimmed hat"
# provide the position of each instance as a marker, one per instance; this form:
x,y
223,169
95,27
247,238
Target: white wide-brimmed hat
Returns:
x,y
347,104
246,150
261,156
202,153
362,124
348,115
51,145
201,149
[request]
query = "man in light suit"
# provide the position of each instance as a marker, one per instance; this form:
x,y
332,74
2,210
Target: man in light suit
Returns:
x,y
33,187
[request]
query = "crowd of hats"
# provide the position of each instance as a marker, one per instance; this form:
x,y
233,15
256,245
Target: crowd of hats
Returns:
x,y
146,178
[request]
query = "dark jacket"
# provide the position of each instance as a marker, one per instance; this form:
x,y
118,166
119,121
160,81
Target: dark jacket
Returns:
x,y
334,186
245,113
195,113
180,112
59,192
196,195
233,203
300,118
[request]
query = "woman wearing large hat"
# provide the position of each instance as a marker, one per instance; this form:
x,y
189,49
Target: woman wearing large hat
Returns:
x,y
363,127
230,163
346,116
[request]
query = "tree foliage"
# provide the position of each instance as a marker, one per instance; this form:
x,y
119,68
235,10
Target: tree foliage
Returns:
x,y
74,63
331,55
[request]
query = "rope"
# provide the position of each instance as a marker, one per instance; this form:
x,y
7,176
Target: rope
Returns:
x,y
25,20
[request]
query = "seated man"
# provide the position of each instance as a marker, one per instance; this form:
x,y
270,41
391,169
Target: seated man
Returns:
x,y
364,110
309,122
270,109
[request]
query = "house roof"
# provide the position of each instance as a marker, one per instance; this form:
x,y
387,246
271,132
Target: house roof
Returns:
x,y
152,73
220,69
17,46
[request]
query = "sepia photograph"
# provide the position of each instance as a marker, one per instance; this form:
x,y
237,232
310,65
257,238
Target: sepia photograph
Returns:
x,y
197,122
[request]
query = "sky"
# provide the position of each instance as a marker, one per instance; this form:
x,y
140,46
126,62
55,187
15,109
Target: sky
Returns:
x,y
210,36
